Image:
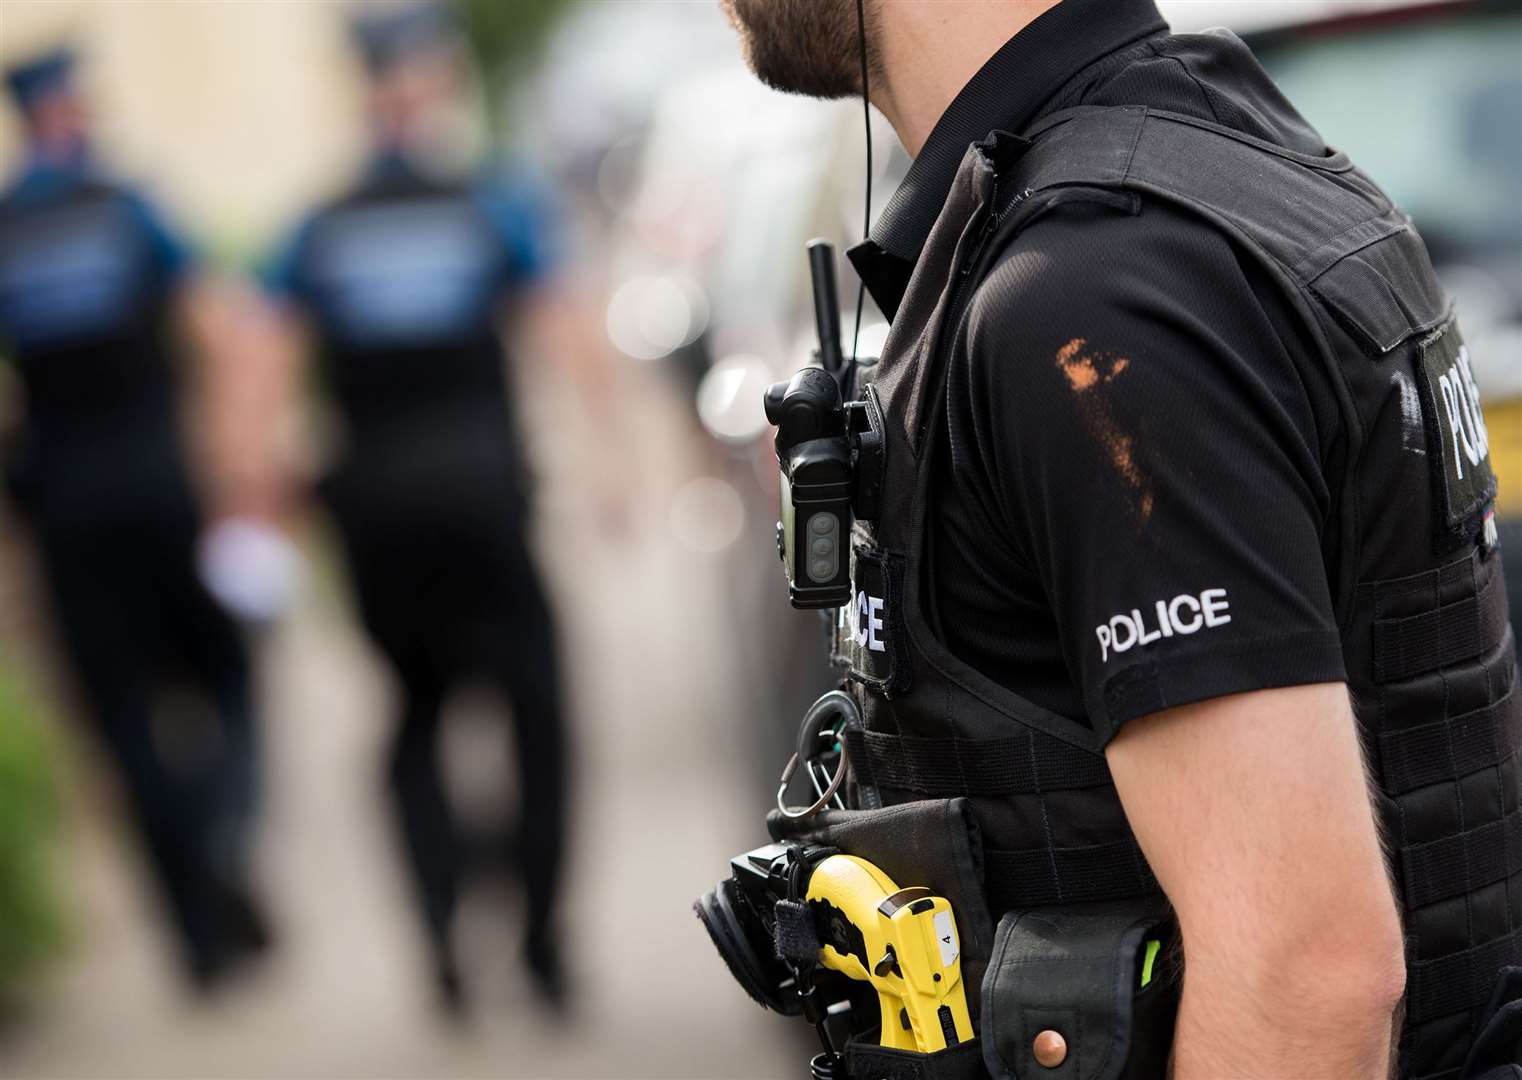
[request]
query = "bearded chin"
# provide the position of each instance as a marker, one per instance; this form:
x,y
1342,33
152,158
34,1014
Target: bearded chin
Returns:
x,y
804,47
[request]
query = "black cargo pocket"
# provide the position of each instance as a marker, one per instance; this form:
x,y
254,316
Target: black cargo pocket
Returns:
x,y
866,1061
1497,1050
934,843
1384,292
1087,988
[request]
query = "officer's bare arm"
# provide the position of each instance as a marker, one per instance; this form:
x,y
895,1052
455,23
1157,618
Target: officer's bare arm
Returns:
x,y
1254,812
556,326
251,354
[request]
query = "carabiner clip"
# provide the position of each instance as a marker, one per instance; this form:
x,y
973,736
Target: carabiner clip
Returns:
x,y
833,704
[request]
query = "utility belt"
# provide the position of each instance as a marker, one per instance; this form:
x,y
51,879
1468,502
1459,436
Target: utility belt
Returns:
x,y
1085,993
1087,990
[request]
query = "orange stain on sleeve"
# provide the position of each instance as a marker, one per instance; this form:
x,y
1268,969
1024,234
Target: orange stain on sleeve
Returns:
x,y
1086,369
1082,368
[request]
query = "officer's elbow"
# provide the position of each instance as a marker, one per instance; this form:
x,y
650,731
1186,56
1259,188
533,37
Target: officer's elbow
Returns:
x,y
1356,969
1342,969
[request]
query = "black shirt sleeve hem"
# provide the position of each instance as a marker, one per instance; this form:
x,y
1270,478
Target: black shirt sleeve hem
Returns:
x,y
1150,686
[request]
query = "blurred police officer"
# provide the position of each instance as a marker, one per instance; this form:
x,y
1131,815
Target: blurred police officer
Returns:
x,y
1186,551
405,285
93,285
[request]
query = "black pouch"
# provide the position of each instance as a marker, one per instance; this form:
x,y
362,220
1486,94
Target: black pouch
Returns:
x,y
1080,976
869,1061
1497,1050
934,843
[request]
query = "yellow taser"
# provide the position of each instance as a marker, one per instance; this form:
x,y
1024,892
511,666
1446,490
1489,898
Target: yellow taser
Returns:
x,y
903,941
1503,419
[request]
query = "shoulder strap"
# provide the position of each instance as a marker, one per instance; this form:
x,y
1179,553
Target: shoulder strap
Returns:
x,y
1318,221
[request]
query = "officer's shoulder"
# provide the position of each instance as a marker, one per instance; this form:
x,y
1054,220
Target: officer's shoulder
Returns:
x,y
300,227
27,188
1102,259
1159,293
508,183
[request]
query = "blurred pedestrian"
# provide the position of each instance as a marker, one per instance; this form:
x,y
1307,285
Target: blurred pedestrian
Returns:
x,y
97,294
405,287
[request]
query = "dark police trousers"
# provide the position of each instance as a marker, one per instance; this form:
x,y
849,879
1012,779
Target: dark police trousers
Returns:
x,y
434,531
163,668
1009,810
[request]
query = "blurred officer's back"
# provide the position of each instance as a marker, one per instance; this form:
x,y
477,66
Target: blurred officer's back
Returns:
x,y
91,283
403,284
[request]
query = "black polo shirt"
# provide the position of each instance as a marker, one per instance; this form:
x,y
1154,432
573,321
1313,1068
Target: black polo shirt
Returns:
x,y
1129,477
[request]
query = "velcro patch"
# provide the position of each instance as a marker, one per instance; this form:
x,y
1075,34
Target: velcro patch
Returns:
x,y
869,636
1457,441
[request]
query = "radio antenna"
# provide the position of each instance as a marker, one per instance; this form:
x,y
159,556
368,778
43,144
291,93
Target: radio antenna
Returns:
x,y
866,112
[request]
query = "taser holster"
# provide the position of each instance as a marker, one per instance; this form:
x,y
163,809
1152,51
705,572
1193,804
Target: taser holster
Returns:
x,y
1076,972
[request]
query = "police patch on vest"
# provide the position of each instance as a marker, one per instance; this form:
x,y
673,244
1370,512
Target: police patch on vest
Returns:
x,y
76,274
869,635
1458,446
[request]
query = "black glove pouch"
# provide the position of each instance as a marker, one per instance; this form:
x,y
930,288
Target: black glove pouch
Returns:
x,y
1497,1050
1079,975
934,843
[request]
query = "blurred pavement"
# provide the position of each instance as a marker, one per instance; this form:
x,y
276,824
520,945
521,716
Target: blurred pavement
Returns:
x,y
342,995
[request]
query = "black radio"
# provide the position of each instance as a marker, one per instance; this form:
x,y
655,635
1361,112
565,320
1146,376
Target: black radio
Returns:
x,y
830,454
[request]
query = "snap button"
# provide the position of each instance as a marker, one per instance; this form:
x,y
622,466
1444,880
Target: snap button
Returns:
x,y
1050,1048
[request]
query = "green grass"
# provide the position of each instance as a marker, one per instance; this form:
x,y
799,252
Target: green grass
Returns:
x,y
31,925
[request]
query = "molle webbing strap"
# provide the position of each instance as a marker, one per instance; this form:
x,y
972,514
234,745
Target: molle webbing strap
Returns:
x,y
1451,749
1037,877
1407,647
1024,764
1462,863
867,1061
794,934
1460,981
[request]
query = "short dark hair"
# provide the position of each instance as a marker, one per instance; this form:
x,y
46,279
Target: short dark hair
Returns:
x,y
389,37
38,76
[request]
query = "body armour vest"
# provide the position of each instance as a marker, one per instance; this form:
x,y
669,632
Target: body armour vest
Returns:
x,y
403,280
1410,556
82,306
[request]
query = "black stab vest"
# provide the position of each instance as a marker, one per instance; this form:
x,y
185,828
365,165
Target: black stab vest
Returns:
x,y
82,309
1410,556
403,278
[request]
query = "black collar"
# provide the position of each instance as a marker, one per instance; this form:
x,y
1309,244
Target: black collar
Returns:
x,y
1007,93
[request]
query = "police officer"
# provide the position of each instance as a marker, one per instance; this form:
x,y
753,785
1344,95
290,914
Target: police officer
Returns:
x,y
405,285
92,285
1185,551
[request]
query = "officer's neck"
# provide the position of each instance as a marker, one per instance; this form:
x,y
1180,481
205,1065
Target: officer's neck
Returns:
x,y
928,52
59,154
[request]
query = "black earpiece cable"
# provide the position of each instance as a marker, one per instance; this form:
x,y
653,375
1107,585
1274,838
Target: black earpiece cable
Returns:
x,y
866,112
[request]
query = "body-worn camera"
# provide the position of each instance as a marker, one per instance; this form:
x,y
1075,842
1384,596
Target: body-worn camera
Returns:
x,y
830,452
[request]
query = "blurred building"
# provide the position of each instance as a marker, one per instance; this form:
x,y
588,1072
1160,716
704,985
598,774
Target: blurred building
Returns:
x,y
234,113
